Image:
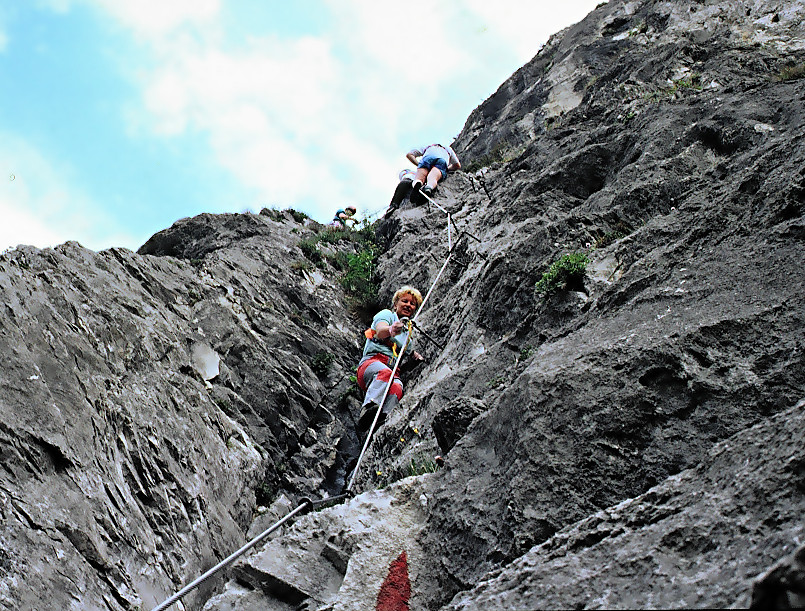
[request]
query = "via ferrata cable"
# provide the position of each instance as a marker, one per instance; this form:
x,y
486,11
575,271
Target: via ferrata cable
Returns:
x,y
306,504
380,407
411,323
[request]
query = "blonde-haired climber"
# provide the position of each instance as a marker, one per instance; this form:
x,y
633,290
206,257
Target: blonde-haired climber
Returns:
x,y
384,342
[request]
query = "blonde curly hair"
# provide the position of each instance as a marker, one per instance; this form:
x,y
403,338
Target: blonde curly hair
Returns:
x,y
407,290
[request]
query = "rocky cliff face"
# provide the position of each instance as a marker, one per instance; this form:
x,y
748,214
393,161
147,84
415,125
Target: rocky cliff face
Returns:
x,y
149,400
634,439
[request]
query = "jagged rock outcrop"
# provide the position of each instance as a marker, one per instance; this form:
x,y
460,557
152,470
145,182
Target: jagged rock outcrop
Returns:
x,y
337,558
147,400
634,439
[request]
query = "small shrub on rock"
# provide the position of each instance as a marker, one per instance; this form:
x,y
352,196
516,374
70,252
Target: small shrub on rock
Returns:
x,y
321,363
302,266
358,280
608,238
358,268
310,248
421,466
273,214
525,353
298,216
193,297
353,391
568,271
791,73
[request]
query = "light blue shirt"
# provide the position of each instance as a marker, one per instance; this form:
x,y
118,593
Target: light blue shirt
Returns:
x,y
372,347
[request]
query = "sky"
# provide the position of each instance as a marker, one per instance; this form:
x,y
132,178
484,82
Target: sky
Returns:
x,y
118,118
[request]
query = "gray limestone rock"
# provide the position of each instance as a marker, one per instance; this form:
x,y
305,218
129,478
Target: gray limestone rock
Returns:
x,y
451,422
695,541
339,557
149,400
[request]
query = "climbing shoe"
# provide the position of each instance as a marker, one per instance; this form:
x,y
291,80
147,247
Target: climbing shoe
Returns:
x,y
367,416
427,190
415,198
400,192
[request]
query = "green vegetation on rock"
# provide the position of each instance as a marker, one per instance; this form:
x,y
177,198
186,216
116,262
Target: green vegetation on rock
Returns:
x,y
566,271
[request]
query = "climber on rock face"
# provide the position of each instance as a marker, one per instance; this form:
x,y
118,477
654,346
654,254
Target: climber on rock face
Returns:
x,y
342,217
384,341
433,163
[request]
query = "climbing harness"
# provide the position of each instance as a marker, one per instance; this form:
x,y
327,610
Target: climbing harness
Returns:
x,y
371,334
306,504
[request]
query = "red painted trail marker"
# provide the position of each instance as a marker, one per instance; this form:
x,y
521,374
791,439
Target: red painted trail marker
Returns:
x,y
396,589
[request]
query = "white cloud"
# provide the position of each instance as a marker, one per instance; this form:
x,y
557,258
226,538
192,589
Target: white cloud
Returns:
x,y
193,85
158,17
413,43
266,109
40,207
21,225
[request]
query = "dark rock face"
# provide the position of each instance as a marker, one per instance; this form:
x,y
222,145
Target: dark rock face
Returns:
x,y
682,544
634,439
451,423
783,586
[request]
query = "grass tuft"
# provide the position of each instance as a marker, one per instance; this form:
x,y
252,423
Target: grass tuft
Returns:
x,y
569,270
792,73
